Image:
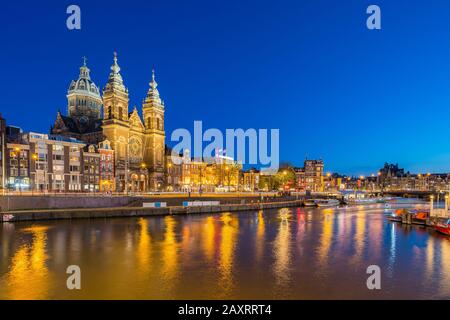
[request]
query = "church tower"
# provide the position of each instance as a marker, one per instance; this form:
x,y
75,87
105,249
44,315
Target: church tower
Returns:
x,y
83,98
83,120
116,123
153,116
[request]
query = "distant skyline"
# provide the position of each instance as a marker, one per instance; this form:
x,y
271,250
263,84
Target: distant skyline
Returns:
x,y
354,97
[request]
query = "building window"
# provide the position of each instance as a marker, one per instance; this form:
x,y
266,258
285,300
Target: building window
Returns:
x,y
58,157
58,147
58,168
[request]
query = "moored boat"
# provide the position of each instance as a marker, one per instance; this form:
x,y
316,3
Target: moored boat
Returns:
x,y
443,228
396,215
421,215
309,203
326,202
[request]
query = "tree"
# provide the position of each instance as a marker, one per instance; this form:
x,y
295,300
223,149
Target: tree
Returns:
x,y
286,176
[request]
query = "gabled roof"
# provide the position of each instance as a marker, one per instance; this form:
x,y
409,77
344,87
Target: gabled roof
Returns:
x,y
68,124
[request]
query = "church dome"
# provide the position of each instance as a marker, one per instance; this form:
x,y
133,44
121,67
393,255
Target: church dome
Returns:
x,y
84,84
84,100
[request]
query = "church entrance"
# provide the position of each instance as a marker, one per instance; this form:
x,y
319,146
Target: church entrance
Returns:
x,y
138,183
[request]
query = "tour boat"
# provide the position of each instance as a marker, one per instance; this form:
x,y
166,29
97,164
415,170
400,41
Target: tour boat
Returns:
x,y
326,202
443,228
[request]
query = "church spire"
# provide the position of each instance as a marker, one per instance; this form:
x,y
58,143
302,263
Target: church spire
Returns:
x,y
153,93
115,67
153,84
115,81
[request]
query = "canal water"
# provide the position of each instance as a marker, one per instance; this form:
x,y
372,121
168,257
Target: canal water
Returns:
x,y
295,253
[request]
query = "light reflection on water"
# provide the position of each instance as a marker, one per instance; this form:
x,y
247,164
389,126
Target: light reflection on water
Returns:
x,y
293,253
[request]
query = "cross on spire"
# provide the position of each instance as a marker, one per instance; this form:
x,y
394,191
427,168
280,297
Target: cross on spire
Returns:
x,y
84,60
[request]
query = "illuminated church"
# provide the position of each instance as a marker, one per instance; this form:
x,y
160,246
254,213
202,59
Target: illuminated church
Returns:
x,y
138,145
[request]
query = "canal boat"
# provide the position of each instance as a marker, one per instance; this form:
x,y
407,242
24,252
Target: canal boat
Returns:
x,y
443,228
326,202
419,217
396,215
309,203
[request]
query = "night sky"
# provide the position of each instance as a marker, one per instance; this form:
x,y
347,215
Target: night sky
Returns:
x,y
336,90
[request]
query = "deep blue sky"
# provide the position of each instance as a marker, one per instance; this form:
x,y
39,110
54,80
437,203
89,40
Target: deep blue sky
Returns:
x,y
335,89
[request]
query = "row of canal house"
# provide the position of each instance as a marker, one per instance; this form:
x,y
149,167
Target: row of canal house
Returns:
x,y
47,163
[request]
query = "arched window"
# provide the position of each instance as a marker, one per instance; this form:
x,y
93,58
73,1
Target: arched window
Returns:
x,y
149,123
158,123
109,112
120,113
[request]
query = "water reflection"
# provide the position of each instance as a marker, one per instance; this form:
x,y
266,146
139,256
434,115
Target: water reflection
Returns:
x,y
28,277
282,255
290,253
169,254
325,237
143,250
208,235
260,240
359,240
392,249
229,231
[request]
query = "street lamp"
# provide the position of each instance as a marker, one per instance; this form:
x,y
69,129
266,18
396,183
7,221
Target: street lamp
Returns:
x,y
35,158
143,167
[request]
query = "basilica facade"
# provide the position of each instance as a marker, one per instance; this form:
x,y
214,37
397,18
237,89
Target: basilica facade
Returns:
x,y
138,143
